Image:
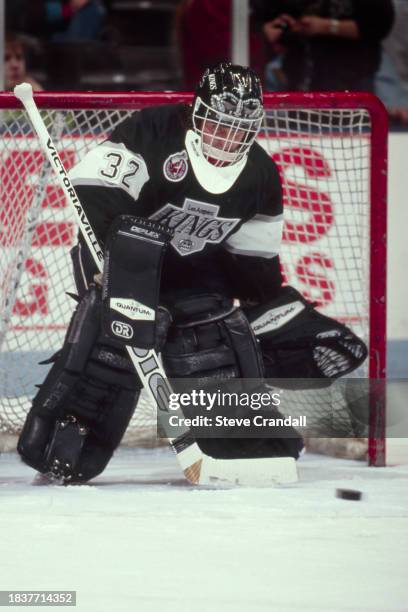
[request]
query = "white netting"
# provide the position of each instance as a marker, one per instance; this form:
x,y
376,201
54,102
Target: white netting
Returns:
x,y
324,161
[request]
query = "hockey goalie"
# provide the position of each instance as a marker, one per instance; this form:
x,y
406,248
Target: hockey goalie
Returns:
x,y
188,210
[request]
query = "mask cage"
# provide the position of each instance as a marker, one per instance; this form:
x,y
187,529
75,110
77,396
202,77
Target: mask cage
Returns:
x,y
225,138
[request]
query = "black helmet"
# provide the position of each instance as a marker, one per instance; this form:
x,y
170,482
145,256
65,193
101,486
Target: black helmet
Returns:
x,y
227,112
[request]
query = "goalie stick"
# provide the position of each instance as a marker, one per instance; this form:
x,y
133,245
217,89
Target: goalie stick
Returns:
x,y
197,467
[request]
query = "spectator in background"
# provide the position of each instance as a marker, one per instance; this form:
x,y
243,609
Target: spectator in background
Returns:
x,y
326,44
203,31
396,44
15,64
391,83
57,20
74,20
389,89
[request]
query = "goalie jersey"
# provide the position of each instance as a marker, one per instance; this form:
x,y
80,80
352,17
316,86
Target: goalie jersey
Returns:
x,y
226,242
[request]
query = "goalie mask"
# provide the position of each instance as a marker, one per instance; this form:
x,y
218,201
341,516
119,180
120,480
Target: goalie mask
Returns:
x,y
227,113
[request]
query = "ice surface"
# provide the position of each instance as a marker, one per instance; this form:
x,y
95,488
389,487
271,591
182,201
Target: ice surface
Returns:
x,y
140,539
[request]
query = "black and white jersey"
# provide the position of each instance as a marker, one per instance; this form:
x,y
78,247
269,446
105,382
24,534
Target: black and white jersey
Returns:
x,y
222,241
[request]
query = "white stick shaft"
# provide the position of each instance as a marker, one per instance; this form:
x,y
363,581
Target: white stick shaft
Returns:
x,y
24,92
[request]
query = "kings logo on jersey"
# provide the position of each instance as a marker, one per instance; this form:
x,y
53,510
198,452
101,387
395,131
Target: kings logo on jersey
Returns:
x,y
176,166
194,225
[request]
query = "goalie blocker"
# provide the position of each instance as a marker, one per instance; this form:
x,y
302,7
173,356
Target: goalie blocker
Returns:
x,y
134,254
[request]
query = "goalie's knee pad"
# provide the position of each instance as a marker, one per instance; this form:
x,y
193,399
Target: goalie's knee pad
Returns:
x,y
83,407
299,342
210,339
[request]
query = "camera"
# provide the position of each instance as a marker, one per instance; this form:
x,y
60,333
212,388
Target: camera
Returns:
x,y
284,26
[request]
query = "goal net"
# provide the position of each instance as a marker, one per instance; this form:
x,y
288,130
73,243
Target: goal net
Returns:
x,y
331,153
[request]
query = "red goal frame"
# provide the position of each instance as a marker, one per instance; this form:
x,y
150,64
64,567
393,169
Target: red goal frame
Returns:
x,y
378,197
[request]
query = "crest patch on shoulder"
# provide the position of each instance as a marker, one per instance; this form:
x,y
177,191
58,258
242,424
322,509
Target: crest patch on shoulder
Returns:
x,y
175,167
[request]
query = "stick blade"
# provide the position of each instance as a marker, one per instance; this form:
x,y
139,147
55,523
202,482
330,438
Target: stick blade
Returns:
x,y
248,472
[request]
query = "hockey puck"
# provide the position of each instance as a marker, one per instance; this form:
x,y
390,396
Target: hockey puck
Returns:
x,y
351,494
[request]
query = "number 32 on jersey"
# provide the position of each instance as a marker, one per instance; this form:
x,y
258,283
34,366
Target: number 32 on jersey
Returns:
x,y
112,165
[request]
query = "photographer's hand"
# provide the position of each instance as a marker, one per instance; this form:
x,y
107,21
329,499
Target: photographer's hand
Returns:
x,y
274,29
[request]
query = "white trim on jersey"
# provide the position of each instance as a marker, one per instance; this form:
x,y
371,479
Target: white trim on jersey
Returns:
x,y
214,179
261,236
111,165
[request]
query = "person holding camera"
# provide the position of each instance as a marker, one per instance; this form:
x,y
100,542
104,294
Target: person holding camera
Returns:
x,y
326,44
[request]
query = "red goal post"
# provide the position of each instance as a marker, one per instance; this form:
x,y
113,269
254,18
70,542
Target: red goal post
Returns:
x,y
331,150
